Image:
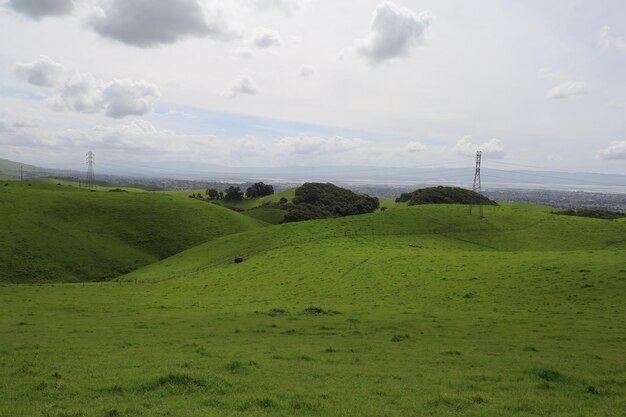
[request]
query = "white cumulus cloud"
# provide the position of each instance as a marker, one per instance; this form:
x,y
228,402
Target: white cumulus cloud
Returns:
x,y
615,150
84,93
568,89
38,9
242,85
44,72
492,149
413,147
611,43
127,97
266,38
394,31
148,23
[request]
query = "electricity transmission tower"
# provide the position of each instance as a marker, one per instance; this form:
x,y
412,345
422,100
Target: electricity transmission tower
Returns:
x,y
477,188
91,177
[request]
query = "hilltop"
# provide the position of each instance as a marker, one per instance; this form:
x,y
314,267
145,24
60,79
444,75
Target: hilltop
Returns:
x,y
62,233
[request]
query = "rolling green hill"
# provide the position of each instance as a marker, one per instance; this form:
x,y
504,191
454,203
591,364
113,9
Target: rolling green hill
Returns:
x,y
416,311
11,169
62,233
250,203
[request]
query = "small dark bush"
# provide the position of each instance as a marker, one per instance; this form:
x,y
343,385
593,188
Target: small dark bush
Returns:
x,y
266,403
238,260
549,375
593,390
277,312
400,337
181,380
318,311
235,367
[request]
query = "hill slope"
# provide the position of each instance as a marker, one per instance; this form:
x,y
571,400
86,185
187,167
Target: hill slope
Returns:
x,y
507,228
61,233
415,311
12,169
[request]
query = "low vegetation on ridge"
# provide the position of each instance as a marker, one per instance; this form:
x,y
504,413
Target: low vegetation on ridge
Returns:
x,y
322,201
444,195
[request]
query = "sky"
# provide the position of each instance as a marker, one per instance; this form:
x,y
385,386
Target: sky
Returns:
x,y
271,83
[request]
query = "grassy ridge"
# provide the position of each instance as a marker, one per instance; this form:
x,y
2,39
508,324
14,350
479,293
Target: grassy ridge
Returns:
x,y
420,311
511,227
10,169
62,233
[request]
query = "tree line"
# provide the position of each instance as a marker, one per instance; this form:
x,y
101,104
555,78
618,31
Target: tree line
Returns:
x,y
234,193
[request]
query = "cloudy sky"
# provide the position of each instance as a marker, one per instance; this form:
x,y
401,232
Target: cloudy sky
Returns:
x,y
314,82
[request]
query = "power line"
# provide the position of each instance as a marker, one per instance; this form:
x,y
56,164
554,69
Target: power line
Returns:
x,y
571,180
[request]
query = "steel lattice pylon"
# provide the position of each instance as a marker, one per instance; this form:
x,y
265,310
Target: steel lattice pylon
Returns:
x,y
477,187
91,176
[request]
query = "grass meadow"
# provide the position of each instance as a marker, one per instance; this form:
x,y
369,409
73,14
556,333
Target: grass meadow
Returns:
x,y
417,311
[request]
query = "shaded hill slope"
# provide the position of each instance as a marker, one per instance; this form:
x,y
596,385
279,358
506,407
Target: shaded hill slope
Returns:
x,y
61,233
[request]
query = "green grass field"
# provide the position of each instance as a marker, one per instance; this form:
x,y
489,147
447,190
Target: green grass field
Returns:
x,y
417,311
62,233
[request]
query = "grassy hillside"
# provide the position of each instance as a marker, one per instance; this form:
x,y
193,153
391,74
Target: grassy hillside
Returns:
x,y
12,169
266,214
249,203
417,311
62,233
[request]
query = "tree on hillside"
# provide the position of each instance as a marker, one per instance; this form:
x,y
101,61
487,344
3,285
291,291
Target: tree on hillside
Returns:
x,y
259,189
213,194
233,194
221,196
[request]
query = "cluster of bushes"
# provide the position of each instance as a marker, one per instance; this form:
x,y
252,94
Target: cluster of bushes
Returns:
x,y
595,214
321,201
259,189
444,195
